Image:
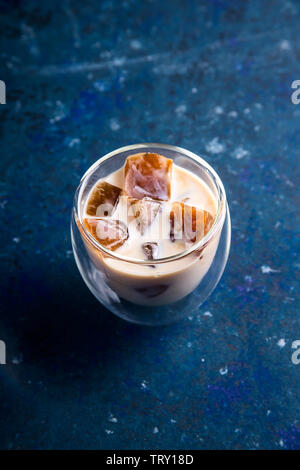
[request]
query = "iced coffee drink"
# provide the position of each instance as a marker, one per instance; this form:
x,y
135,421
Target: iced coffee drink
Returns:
x,y
148,211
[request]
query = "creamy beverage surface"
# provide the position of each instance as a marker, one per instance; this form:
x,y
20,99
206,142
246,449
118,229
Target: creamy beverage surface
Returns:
x,y
185,186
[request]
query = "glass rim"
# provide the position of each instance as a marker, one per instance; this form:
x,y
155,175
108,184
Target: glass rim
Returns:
x,y
221,203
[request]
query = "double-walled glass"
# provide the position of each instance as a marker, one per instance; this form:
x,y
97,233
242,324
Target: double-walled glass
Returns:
x,y
157,291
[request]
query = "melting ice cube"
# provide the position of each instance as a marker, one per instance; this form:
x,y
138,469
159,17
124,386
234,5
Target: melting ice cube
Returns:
x,y
143,211
103,200
148,175
151,250
110,233
188,223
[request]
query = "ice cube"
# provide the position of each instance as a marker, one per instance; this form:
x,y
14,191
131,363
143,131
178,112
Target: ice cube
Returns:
x,y
151,250
110,233
148,175
144,211
188,223
103,200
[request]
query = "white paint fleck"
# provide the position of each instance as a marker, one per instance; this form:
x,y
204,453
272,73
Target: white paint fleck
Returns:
x,y
281,443
3,204
73,142
266,270
268,412
194,90
60,112
155,430
281,343
207,314
202,359
233,114
101,85
17,359
246,110
112,418
223,370
277,225
135,44
173,421
114,125
109,431
214,146
240,153
144,385
256,128
189,344
119,61
258,105
218,110
180,110
285,45
16,240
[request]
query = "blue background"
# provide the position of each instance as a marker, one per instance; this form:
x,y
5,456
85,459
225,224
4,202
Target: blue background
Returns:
x,y
84,78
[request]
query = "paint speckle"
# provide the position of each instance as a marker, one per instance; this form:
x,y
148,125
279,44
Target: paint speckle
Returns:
x,y
112,418
281,343
266,270
16,240
109,431
233,114
218,110
194,90
18,359
207,314
285,45
240,153
189,344
173,421
144,385
215,146
223,370
180,110
281,443
135,44
114,125
72,142
155,430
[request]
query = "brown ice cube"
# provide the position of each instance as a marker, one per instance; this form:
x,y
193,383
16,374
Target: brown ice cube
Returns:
x,y
148,175
103,200
110,233
151,250
188,223
144,211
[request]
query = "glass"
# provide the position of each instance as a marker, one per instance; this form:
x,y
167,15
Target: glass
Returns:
x,y
128,287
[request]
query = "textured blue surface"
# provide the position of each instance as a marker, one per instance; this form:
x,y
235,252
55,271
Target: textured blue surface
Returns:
x,y
84,78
